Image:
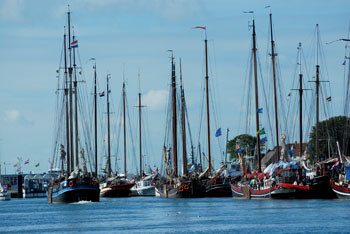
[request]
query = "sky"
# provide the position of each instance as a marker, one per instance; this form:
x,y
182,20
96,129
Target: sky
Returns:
x,y
128,37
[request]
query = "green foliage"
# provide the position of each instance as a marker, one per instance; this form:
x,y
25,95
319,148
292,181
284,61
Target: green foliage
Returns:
x,y
335,129
247,143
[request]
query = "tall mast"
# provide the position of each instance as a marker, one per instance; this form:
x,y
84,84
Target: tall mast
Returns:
x,y
300,102
200,157
67,106
140,129
274,90
183,126
76,109
108,131
227,130
256,97
174,114
95,104
70,70
207,99
124,123
317,95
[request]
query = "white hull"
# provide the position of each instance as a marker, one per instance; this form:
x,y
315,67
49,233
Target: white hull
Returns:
x,y
5,197
143,187
143,191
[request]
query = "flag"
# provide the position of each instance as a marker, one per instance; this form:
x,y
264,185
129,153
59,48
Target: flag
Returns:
x,y
102,94
289,94
263,139
329,98
218,132
80,72
74,44
26,162
344,62
262,143
335,166
57,71
15,165
200,27
38,164
260,132
260,110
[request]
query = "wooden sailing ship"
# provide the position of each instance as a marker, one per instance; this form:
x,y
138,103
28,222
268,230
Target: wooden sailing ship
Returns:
x,y
115,185
73,184
173,185
144,185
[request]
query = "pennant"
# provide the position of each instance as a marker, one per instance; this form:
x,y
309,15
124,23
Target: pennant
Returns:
x,y
260,110
344,62
200,27
329,98
260,132
218,132
74,44
102,94
26,162
38,164
15,165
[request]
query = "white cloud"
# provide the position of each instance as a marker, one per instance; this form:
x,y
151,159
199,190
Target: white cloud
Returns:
x,y
14,116
155,99
11,10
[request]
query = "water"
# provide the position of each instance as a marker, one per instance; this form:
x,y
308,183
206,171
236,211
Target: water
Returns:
x,y
157,215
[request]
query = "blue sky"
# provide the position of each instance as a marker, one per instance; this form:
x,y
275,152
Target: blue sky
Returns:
x,y
135,35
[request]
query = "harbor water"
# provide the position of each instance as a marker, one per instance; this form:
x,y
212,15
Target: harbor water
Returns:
x,y
157,215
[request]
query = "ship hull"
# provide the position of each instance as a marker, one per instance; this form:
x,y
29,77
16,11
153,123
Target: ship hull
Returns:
x,y
186,190
122,190
75,193
341,192
218,190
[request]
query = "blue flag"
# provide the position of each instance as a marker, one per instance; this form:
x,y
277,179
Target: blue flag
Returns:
x,y
218,132
264,139
260,110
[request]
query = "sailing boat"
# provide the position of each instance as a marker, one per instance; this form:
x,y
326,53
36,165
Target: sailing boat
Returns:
x,y
341,169
73,184
114,185
145,185
173,185
319,186
243,188
4,194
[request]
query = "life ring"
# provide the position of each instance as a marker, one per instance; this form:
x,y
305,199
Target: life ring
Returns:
x,y
181,189
214,181
71,183
186,187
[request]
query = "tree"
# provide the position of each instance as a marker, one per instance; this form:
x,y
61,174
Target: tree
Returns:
x,y
333,129
247,143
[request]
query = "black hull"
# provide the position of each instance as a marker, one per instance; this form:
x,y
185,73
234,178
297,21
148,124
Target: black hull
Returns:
x,y
74,194
218,190
123,190
320,188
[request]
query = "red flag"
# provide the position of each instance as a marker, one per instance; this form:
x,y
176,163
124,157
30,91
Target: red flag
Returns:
x,y
200,27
